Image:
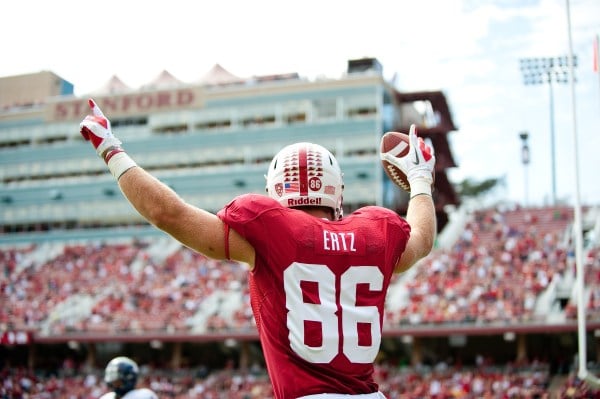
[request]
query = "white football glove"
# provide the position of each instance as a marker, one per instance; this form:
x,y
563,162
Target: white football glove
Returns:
x,y
418,165
96,129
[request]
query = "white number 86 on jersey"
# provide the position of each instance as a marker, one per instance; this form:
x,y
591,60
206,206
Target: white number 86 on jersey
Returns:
x,y
325,312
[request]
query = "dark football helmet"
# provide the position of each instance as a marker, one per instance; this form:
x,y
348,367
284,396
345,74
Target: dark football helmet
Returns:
x,y
121,375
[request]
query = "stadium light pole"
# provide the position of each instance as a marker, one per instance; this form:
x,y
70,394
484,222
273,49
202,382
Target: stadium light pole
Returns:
x,y
525,159
550,70
582,371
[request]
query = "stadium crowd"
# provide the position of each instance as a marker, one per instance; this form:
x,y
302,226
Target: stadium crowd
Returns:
x,y
494,272
130,292
440,382
443,381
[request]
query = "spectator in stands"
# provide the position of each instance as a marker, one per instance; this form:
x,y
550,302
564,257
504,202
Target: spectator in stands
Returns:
x,y
121,376
318,282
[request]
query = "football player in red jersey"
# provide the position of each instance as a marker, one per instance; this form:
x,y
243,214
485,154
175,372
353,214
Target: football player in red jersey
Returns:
x,y
318,281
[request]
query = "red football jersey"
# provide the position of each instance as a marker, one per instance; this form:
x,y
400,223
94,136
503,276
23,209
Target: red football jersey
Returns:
x,y
317,291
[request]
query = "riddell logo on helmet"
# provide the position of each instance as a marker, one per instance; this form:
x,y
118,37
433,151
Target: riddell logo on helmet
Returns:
x,y
304,201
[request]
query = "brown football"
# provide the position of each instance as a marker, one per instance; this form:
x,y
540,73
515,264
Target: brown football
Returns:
x,y
396,144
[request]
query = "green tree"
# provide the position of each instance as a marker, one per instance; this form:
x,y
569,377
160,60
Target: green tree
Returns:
x,y
474,189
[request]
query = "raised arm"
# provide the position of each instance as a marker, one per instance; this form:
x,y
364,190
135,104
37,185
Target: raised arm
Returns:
x,y
418,165
421,217
157,202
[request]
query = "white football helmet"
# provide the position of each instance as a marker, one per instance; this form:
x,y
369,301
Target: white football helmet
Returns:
x,y
306,174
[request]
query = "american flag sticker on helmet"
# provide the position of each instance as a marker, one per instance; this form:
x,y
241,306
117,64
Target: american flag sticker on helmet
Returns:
x,y
291,187
329,190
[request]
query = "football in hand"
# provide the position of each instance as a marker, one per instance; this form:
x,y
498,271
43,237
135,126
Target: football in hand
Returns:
x,y
396,144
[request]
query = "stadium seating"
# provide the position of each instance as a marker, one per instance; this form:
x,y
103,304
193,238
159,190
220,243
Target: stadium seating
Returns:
x,y
495,271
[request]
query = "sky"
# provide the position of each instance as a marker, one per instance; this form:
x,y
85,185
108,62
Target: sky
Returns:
x,y
469,49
